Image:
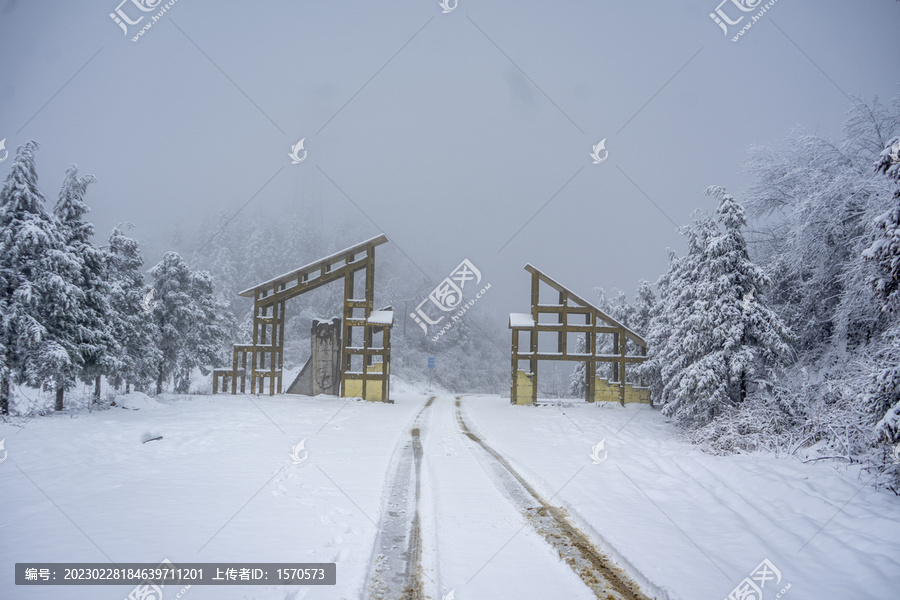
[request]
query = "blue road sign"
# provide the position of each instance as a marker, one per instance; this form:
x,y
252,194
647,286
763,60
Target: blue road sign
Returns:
x,y
430,362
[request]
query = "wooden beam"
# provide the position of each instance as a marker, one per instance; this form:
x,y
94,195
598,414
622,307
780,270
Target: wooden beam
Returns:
x,y
575,297
319,265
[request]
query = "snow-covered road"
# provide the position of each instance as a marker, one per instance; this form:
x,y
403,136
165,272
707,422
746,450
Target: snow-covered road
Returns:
x,y
222,485
451,506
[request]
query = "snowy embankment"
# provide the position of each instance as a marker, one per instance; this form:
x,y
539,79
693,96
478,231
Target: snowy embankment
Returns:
x,y
221,485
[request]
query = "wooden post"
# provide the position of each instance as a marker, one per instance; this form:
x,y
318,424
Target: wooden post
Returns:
x,y
347,338
590,365
370,280
563,324
620,337
533,362
281,320
365,360
244,372
254,359
234,368
386,366
515,366
263,351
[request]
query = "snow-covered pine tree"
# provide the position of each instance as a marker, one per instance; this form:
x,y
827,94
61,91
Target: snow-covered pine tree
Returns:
x,y
884,251
624,312
191,322
41,305
724,339
885,248
131,321
211,327
97,348
644,307
172,314
675,295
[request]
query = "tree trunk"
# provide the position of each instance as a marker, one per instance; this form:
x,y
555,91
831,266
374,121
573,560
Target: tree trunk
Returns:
x,y
4,395
743,386
127,387
159,382
59,398
97,389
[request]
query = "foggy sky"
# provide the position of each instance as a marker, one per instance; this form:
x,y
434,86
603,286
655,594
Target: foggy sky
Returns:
x,y
450,132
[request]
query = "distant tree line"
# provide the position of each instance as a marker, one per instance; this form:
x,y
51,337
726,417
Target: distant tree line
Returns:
x,y
74,311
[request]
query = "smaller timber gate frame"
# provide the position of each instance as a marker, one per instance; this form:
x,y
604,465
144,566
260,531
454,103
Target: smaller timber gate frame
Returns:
x,y
569,308
263,359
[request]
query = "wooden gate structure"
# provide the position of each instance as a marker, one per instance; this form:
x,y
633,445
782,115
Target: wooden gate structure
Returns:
x,y
568,309
263,359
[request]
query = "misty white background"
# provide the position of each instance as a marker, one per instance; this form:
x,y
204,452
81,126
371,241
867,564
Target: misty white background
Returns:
x,y
463,125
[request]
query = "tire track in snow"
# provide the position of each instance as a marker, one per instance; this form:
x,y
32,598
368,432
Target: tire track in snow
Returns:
x,y
595,569
395,571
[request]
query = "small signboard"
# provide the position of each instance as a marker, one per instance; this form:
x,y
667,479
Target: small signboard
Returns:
x,y
430,362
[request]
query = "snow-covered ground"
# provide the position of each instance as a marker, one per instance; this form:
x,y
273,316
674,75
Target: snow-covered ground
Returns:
x,y
221,485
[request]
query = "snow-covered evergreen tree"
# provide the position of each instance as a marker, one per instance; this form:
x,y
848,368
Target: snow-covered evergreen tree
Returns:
x,y
722,339
191,323
211,327
131,303
676,296
172,313
884,251
96,346
644,307
41,305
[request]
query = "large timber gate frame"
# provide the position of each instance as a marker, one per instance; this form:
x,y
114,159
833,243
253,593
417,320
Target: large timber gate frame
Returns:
x,y
263,359
596,323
